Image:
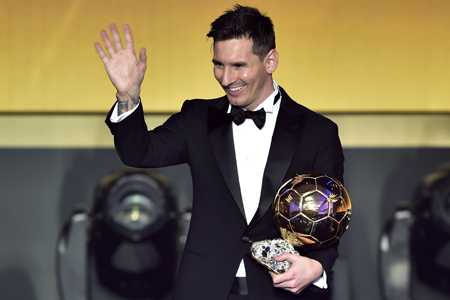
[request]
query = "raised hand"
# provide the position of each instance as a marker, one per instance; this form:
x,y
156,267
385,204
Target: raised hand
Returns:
x,y
124,69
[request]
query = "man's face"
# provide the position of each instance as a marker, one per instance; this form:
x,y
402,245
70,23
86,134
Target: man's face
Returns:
x,y
246,79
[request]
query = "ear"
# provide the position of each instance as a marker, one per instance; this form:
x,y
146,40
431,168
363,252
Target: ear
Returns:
x,y
271,61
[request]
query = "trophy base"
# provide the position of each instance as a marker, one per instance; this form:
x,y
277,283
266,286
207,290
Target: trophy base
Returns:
x,y
265,252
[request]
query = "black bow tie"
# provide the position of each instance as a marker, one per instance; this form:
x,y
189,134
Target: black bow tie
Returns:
x,y
259,117
239,115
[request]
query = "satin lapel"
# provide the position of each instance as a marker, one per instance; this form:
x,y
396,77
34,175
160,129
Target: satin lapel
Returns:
x,y
287,133
221,137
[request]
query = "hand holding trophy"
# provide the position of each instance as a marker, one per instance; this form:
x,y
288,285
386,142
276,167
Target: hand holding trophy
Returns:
x,y
311,211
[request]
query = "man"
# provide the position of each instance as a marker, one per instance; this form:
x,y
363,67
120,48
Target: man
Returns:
x,y
236,165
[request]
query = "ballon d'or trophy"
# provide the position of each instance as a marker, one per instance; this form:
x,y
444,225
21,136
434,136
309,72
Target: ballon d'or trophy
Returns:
x,y
311,211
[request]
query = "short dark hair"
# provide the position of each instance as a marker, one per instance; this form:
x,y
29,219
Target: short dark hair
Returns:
x,y
245,22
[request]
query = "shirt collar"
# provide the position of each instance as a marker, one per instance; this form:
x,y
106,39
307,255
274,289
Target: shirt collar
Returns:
x,y
268,104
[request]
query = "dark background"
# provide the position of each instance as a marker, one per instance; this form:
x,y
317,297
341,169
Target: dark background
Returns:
x,y
39,188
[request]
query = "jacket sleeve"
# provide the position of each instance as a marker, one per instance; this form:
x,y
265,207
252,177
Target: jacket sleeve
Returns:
x,y
162,146
330,160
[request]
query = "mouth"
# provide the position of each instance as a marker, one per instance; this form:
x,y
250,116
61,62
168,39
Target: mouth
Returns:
x,y
235,88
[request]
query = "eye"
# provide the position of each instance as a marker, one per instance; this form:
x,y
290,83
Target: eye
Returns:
x,y
217,64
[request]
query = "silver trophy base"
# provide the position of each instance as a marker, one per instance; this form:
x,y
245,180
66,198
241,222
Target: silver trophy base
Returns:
x,y
265,252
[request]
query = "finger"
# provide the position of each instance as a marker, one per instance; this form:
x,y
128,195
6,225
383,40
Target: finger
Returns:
x,y
277,281
284,256
286,282
107,43
101,53
273,275
143,60
128,37
116,37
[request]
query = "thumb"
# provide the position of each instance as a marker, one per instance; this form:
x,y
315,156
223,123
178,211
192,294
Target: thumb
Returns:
x,y
142,59
282,257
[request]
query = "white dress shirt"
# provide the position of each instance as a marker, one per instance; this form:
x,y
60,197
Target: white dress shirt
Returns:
x,y
252,146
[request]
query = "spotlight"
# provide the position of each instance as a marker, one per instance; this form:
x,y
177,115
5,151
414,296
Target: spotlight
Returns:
x,y
431,238
134,234
71,257
418,240
394,259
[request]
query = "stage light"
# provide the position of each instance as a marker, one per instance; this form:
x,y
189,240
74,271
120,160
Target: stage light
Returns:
x,y
395,256
134,234
431,231
415,244
71,259
127,244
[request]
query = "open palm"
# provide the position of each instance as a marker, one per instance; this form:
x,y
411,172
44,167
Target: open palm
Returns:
x,y
124,69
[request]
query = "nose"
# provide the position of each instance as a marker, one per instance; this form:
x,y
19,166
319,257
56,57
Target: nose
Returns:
x,y
228,76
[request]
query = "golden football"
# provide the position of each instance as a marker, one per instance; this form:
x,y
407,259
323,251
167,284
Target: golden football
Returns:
x,y
312,210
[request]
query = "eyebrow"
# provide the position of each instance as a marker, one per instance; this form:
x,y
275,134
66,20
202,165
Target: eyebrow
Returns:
x,y
240,63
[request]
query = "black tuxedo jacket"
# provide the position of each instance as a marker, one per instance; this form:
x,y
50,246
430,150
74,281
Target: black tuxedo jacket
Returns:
x,y
219,237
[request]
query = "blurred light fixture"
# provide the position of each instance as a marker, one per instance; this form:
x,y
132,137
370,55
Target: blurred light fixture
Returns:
x,y
431,231
128,240
134,234
416,241
72,257
395,256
